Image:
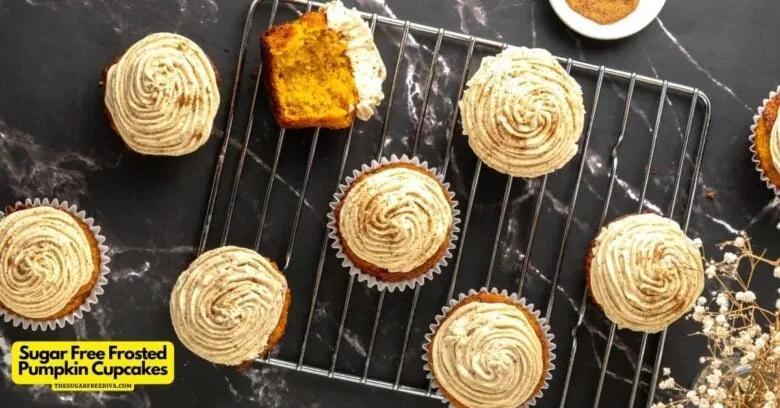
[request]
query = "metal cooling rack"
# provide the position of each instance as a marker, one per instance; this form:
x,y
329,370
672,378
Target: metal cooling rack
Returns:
x,y
565,363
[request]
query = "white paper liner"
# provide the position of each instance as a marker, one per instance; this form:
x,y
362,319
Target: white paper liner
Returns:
x,y
752,139
371,280
96,291
540,321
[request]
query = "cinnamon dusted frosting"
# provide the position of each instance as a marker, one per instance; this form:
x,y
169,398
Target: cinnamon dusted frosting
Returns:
x,y
45,260
225,306
395,218
522,113
368,68
645,273
774,145
488,355
162,95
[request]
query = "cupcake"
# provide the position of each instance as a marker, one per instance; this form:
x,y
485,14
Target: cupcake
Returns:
x,y
52,264
230,306
394,223
644,272
489,349
306,92
522,113
765,142
162,95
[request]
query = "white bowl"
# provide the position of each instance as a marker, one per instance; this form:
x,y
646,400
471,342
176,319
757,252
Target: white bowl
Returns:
x,y
645,13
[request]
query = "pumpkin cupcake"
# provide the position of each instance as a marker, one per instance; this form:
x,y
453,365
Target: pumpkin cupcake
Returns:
x,y
162,95
523,113
52,266
489,349
394,223
323,69
644,272
230,306
765,142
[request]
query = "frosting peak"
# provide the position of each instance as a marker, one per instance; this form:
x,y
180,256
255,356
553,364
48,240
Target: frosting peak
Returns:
x,y
45,261
367,66
396,218
645,273
226,305
522,113
162,95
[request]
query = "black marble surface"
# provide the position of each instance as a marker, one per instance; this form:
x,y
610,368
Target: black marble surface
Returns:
x,y
55,142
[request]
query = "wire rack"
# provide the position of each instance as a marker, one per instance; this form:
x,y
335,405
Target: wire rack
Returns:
x,y
684,173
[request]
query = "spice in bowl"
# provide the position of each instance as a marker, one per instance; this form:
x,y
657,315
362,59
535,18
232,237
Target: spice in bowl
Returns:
x,y
603,11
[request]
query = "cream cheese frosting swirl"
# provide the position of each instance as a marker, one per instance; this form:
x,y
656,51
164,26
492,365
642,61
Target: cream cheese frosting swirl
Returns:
x,y
522,113
645,273
225,306
162,95
774,144
46,259
488,355
368,68
395,218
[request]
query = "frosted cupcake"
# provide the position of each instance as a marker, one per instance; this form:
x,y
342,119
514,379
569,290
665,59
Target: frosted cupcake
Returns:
x,y
230,306
489,349
52,265
394,223
522,113
162,95
765,142
644,272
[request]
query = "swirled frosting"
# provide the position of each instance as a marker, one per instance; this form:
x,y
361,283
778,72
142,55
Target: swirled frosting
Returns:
x,y
225,306
162,95
367,66
645,273
45,261
488,355
774,145
395,218
522,113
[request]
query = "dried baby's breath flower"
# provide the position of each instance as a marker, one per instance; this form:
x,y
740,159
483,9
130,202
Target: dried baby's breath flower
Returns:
x,y
739,331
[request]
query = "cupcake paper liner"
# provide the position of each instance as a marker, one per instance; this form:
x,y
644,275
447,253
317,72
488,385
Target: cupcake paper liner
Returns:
x,y
752,138
97,289
371,280
540,321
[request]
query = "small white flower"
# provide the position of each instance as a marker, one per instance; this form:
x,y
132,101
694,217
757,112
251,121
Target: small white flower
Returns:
x,y
711,272
777,304
769,396
667,371
745,296
666,384
717,405
701,301
698,243
729,257
777,272
739,242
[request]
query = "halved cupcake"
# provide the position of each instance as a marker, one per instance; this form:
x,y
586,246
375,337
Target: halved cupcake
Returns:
x,y
394,223
323,69
230,306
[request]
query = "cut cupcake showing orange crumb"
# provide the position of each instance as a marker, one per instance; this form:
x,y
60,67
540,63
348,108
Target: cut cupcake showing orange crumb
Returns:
x,y
323,69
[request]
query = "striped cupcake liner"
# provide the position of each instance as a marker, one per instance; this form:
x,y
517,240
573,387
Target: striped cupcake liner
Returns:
x,y
520,301
371,280
752,138
97,289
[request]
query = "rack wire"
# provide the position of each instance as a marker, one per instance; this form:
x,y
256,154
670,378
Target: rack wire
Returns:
x,y
697,123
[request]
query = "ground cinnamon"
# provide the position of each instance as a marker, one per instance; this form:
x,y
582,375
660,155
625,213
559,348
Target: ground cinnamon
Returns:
x,y
603,11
